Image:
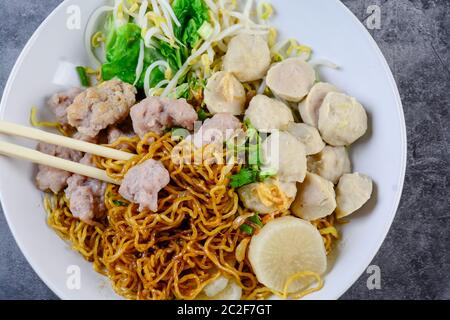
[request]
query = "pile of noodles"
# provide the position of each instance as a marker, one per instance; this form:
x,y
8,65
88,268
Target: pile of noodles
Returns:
x,y
175,252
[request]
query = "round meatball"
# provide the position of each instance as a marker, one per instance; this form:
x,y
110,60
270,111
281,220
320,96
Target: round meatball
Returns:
x,y
269,196
342,119
352,192
224,93
285,154
267,114
291,79
331,163
315,198
308,135
247,57
309,107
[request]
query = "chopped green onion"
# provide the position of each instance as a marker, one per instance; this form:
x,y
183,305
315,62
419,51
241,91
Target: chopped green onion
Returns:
x,y
196,83
248,124
245,228
206,30
179,134
256,220
254,155
167,130
252,133
266,173
182,91
244,177
119,203
253,171
83,76
203,114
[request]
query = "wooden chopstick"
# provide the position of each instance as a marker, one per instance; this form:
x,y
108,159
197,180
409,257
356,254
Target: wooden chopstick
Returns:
x,y
38,157
35,134
35,156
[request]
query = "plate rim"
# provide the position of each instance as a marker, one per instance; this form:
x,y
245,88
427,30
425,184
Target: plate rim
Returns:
x,y
404,139
6,91
400,180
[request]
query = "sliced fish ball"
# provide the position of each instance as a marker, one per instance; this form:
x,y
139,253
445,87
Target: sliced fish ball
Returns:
x,y
224,93
291,79
315,198
308,135
285,154
232,291
269,196
216,286
247,57
342,119
352,192
309,107
284,247
331,163
267,114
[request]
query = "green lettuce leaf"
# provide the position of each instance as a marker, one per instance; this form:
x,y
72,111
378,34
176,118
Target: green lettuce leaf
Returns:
x,y
173,56
123,45
191,14
122,53
244,177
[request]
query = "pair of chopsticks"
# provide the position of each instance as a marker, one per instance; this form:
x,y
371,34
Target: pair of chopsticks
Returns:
x,y
15,151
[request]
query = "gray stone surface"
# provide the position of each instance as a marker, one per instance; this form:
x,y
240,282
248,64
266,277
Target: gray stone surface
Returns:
x,y
415,258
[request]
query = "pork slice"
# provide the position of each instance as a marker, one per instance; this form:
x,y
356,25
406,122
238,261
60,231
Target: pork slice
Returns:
x,y
59,102
53,179
99,107
142,183
85,138
86,195
155,114
217,129
113,134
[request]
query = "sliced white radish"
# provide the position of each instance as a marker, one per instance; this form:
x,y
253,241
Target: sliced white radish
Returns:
x,y
283,248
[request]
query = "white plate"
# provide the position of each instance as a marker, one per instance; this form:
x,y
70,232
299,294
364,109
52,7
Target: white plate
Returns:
x,y
333,32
